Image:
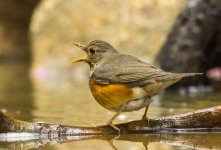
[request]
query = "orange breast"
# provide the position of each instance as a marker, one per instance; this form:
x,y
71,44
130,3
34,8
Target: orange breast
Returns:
x,y
110,96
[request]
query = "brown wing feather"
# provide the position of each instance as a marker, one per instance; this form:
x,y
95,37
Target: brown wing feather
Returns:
x,y
128,69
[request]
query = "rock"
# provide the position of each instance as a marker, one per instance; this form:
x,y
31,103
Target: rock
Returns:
x,y
194,43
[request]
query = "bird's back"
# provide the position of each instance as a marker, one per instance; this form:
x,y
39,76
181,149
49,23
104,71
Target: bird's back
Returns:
x,y
126,69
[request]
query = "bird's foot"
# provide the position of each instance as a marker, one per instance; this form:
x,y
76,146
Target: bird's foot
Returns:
x,y
145,118
114,127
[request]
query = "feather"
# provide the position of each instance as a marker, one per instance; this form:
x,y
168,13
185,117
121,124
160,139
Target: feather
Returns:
x,y
132,71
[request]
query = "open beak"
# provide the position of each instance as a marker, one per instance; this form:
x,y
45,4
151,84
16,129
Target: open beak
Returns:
x,y
84,59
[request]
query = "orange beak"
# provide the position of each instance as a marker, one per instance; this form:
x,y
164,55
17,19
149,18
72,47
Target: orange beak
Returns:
x,y
84,59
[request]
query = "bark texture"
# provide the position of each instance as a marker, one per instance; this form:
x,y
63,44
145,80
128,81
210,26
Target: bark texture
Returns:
x,y
205,120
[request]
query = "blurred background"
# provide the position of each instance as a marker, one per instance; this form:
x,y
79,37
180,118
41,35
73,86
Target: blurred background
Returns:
x,y
38,83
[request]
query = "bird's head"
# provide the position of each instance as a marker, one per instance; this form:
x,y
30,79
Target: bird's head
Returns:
x,y
96,51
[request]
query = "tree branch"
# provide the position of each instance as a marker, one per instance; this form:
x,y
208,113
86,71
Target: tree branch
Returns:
x,y
198,121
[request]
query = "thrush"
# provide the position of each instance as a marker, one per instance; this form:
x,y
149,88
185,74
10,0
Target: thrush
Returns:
x,y
121,82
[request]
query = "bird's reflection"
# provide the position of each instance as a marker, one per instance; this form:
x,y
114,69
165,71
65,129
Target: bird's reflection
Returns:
x,y
190,140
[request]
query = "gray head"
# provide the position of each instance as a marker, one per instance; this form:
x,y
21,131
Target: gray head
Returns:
x,y
96,51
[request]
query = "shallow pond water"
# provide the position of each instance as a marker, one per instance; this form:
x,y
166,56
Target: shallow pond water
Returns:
x,y
70,102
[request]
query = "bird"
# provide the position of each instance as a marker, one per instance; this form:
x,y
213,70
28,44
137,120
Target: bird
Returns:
x,y
121,82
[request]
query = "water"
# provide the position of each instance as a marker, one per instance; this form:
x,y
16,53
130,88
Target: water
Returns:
x,y
69,101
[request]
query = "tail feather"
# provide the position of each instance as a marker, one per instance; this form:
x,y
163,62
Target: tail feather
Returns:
x,y
182,75
177,76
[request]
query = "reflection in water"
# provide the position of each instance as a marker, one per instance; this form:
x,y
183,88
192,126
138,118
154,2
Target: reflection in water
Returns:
x,y
16,90
150,141
69,101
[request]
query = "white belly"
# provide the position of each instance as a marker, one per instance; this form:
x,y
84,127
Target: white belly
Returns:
x,y
140,100
136,104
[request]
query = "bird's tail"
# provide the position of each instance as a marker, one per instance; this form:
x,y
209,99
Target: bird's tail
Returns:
x,y
182,75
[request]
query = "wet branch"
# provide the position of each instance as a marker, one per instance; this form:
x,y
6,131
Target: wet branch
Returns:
x,y
201,120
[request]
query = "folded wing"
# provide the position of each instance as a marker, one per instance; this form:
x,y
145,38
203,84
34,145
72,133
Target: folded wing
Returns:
x,y
130,70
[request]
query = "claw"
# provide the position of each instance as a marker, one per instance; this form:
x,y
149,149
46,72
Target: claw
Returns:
x,y
114,127
145,118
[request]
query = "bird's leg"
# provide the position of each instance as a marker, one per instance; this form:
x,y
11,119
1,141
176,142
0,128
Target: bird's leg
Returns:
x,y
145,145
111,142
112,145
144,117
114,117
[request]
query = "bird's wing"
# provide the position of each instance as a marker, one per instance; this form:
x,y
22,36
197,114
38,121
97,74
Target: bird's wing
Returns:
x,y
130,70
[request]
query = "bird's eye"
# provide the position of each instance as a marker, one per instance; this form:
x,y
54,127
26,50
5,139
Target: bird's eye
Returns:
x,y
92,51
